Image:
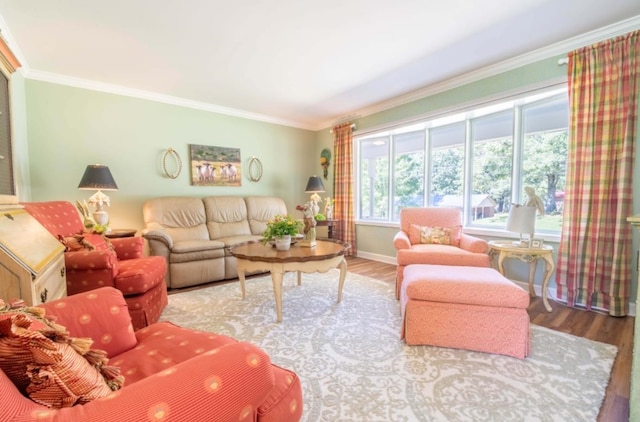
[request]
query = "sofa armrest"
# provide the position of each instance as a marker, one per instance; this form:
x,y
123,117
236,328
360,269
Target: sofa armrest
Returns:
x,y
473,244
128,247
226,384
401,240
91,260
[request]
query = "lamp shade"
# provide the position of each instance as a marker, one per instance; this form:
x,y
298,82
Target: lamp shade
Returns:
x,y
522,219
97,176
314,185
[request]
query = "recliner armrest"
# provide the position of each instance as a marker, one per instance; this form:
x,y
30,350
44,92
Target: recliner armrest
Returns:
x,y
159,236
128,247
401,240
91,260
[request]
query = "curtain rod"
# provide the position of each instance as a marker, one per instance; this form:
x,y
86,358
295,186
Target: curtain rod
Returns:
x,y
353,127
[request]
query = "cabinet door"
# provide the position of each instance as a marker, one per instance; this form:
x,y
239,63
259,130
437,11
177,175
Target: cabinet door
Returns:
x,y
51,284
9,278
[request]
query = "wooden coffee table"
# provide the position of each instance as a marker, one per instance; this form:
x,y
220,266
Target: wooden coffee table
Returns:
x,y
258,257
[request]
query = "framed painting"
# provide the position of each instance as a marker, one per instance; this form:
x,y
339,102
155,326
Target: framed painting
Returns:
x,y
215,166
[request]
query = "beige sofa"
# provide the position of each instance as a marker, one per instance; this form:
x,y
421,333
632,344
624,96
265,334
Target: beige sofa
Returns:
x,y
194,234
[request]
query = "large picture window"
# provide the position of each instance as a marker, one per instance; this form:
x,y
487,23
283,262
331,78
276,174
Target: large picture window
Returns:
x,y
479,160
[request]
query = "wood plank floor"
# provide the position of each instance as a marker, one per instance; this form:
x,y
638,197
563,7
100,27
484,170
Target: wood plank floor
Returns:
x,y
591,325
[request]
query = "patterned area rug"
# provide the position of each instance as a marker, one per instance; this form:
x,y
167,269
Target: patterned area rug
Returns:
x,y
354,367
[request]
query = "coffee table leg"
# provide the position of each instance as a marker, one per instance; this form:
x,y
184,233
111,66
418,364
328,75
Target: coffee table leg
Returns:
x,y
343,274
299,278
276,279
240,268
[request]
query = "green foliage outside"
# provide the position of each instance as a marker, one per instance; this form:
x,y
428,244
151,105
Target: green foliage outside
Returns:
x,y
543,168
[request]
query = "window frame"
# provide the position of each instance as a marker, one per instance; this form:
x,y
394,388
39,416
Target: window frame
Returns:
x,y
519,102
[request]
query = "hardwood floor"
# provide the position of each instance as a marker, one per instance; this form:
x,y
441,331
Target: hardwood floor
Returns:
x,y
591,325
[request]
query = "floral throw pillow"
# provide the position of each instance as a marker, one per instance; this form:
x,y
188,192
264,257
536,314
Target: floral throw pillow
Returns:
x,y
435,235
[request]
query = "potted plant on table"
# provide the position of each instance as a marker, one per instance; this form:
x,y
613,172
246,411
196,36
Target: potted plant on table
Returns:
x,y
280,229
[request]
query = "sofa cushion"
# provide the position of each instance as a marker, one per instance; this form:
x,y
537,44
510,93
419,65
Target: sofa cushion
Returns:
x,y
90,321
182,218
163,345
464,285
440,254
226,216
261,209
52,368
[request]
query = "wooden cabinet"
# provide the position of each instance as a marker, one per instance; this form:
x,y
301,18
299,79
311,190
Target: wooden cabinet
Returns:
x,y
31,259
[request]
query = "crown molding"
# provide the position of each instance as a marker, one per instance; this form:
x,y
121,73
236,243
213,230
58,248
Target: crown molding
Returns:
x,y
153,96
562,47
556,49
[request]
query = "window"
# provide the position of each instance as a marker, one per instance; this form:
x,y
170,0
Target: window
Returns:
x,y
479,160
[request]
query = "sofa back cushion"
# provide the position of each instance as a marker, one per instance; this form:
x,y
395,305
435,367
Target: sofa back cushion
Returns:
x,y
61,218
226,216
183,218
101,314
261,209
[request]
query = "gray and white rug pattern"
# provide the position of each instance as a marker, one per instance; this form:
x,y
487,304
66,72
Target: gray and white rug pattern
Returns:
x,y
354,367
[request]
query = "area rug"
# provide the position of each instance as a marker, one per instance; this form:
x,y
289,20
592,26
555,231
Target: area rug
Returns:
x,y
354,367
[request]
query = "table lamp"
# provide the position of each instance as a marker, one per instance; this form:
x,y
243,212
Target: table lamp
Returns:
x,y
314,186
521,220
98,177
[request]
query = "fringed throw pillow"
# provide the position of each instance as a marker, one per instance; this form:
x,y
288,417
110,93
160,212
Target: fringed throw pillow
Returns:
x,y
46,364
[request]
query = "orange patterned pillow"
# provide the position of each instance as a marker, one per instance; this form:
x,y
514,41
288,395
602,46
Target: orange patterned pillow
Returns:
x,y
435,235
52,368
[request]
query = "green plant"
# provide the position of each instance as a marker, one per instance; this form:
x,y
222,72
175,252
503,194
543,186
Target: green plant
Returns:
x,y
320,217
280,226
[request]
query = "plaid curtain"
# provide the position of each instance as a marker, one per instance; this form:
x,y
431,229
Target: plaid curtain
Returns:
x,y
593,257
343,184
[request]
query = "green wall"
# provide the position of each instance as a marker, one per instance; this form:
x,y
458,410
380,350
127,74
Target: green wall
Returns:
x,y
69,128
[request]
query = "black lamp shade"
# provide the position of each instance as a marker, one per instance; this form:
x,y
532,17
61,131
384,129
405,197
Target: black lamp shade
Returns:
x,y
314,185
99,177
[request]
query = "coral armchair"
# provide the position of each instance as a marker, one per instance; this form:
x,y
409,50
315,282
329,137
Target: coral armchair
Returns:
x,y
433,235
140,278
170,373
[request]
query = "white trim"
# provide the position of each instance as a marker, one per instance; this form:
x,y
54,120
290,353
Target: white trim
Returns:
x,y
552,50
558,48
503,96
377,257
153,96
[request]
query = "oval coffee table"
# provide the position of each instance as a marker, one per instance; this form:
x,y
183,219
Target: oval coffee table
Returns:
x,y
324,256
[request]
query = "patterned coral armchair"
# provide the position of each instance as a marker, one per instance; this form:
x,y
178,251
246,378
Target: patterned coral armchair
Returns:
x,y
100,262
433,235
162,372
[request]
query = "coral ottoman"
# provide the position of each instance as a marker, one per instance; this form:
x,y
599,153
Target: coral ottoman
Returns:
x,y
471,308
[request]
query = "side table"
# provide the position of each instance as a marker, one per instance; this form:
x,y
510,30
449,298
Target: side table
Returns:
x,y
117,233
330,223
505,250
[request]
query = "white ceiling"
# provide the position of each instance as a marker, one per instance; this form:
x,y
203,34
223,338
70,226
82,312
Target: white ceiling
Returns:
x,y
296,62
